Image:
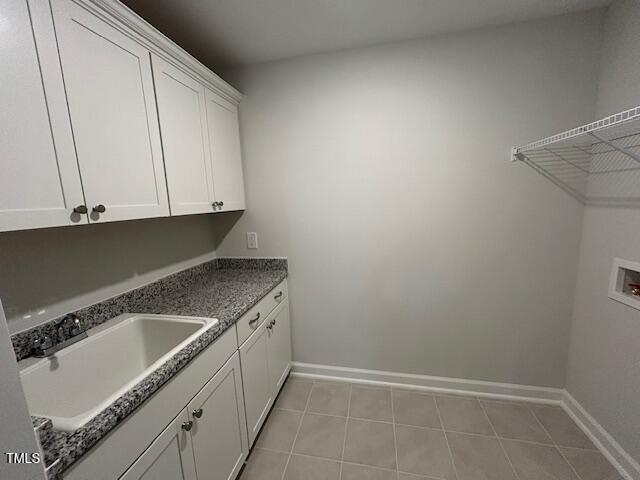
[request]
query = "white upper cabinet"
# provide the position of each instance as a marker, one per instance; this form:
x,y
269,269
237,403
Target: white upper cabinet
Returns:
x,y
39,180
185,139
92,129
224,138
110,94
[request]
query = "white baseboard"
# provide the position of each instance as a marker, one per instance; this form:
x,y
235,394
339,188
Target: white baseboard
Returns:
x,y
429,383
611,449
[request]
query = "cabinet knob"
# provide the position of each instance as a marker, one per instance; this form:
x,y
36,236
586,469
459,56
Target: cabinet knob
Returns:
x,y
99,208
186,426
197,413
82,209
221,204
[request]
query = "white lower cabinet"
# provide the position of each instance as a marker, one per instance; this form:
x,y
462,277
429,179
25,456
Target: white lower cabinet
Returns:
x,y
170,456
219,431
254,356
266,361
223,397
206,441
280,347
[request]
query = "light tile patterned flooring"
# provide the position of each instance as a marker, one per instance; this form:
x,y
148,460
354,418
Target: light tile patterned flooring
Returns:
x,y
341,431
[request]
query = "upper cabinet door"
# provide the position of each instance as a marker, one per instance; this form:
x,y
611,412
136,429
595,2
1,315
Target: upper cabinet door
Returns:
x,y
39,179
185,141
224,138
111,101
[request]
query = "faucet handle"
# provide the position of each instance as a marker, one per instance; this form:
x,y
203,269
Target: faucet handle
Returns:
x,y
69,326
78,326
42,343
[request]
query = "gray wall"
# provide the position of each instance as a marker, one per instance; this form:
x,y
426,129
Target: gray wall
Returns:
x,y
603,372
49,272
17,431
414,244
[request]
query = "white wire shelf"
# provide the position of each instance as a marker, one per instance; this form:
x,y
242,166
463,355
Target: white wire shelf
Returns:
x,y
598,163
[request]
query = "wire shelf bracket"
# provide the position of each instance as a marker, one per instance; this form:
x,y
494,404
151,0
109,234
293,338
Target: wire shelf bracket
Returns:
x,y
597,163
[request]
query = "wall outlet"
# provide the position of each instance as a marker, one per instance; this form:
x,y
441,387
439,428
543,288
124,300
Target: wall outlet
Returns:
x,y
252,240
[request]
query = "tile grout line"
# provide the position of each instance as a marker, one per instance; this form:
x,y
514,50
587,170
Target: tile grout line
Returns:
x,y
395,435
344,438
446,439
297,432
504,451
373,467
394,423
557,447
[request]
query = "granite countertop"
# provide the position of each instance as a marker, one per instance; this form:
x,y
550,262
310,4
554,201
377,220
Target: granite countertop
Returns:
x,y
224,289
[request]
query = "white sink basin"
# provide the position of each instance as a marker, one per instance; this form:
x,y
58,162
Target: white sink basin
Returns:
x,y
74,385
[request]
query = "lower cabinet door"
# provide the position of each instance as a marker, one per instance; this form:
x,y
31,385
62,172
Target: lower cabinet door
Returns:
x,y
170,456
258,394
219,431
279,347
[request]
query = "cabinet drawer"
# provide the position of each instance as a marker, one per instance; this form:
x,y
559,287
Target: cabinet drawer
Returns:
x,y
251,320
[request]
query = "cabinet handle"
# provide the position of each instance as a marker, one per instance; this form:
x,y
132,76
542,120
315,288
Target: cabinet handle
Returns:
x,y
278,296
99,208
221,204
82,209
270,326
197,413
273,322
254,320
186,426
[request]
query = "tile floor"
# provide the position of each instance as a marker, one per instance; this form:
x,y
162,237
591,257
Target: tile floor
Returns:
x,y
341,431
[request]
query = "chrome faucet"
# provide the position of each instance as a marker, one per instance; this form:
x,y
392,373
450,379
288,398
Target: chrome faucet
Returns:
x,y
69,330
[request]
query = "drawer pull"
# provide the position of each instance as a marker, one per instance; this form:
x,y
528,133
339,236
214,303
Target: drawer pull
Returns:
x,y
99,208
254,320
186,426
197,413
278,296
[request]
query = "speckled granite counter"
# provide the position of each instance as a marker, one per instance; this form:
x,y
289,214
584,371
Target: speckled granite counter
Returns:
x,y
224,289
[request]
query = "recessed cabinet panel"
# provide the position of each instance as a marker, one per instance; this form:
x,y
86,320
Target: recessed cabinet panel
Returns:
x,y
280,347
224,138
254,358
110,93
185,144
39,179
170,456
219,430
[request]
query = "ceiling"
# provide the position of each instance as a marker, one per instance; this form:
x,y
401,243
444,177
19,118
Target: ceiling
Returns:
x,y
241,32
